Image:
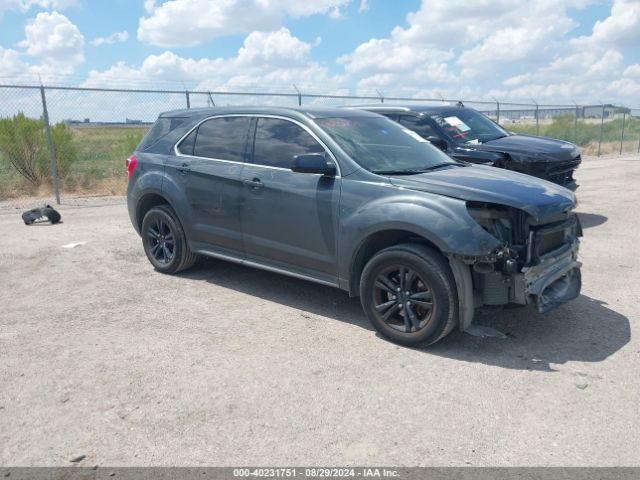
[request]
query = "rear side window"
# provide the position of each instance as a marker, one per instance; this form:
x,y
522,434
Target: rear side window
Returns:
x,y
162,126
419,125
278,141
223,138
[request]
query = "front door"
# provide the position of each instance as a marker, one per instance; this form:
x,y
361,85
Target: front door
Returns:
x,y
289,219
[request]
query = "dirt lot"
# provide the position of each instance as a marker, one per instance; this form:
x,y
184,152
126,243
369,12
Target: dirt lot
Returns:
x,y
225,365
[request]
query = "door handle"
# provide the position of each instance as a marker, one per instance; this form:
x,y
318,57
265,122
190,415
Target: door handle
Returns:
x,y
254,184
184,168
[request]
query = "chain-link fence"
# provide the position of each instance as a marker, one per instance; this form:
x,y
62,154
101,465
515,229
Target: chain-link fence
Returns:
x,y
68,144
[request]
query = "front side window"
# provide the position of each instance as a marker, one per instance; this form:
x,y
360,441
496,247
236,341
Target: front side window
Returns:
x,y
419,125
278,141
382,146
222,138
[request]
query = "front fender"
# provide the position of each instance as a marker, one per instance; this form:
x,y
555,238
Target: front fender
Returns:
x,y
443,221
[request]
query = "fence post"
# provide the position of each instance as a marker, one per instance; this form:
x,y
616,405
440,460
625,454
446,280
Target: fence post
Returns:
x,y
624,117
299,95
186,92
537,117
380,95
575,125
52,151
601,130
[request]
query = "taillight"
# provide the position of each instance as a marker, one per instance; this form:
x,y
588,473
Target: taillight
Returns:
x,y
131,165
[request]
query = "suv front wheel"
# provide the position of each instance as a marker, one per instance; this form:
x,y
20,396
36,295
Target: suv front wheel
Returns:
x,y
164,241
409,295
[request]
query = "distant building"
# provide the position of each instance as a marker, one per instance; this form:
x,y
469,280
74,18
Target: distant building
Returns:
x,y
587,111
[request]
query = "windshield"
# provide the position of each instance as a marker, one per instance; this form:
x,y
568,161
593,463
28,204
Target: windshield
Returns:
x,y
469,126
382,146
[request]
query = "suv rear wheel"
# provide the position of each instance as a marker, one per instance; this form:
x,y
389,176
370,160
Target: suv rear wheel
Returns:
x,y
408,293
164,241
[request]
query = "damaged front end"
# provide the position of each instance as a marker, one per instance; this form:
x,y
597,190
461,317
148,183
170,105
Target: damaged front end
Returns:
x,y
535,262
554,170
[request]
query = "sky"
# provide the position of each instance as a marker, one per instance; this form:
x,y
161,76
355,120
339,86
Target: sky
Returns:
x,y
552,51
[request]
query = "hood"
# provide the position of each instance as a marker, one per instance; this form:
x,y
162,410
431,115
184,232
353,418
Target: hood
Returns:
x,y
530,148
480,183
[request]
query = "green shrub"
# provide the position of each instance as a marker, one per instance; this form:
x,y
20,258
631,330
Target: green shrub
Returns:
x,y
23,144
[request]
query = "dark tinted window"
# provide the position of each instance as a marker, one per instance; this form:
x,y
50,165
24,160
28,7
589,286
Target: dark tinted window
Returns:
x,y
277,141
186,146
224,138
419,125
162,126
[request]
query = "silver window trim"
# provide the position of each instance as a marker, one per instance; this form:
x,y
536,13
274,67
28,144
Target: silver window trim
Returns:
x,y
254,115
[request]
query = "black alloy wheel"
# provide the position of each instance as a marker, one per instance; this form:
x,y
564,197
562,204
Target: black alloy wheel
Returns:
x,y
409,294
161,241
403,299
164,240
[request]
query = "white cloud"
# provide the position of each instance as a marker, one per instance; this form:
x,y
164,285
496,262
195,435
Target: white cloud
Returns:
x,y
268,60
336,14
23,6
468,49
387,55
621,28
55,40
10,63
632,71
364,6
586,75
116,37
149,5
185,23
453,23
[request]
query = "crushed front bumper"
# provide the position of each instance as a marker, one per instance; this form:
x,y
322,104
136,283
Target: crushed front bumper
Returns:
x,y
552,282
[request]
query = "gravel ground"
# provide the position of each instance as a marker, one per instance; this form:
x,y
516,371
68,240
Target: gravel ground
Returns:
x,y
226,365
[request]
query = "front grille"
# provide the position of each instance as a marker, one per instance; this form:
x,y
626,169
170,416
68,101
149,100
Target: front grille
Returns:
x,y
550,242
551,237
557,172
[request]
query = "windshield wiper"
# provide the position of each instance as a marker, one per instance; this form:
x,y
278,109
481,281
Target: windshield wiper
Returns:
x,y
496,138
408,171
440,165
415,171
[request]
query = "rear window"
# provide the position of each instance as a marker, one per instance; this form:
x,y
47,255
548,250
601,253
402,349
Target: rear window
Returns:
x,y
162,126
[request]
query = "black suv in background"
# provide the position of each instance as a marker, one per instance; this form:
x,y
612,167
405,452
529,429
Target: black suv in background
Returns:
x,y
350,199
468,135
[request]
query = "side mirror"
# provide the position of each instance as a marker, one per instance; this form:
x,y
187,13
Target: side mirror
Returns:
x,y
313,163
437,142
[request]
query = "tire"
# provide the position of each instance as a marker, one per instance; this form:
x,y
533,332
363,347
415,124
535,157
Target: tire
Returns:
x,y
164,241
432,303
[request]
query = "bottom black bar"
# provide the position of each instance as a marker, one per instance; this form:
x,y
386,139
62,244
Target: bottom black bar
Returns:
x,y
397,473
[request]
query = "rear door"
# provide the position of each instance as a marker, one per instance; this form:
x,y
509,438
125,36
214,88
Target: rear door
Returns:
x,y
289,219
209,161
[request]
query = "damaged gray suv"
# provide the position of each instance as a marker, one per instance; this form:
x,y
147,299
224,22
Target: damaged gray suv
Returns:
x,y
351,199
